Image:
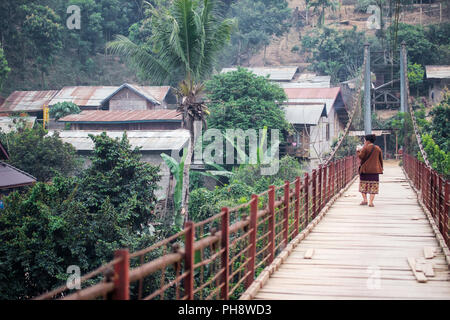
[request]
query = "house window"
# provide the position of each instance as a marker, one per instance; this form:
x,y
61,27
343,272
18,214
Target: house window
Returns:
x,y
328,132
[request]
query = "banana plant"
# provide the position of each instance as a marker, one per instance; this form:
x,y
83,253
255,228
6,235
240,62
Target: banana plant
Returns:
x,y
260,155
177,169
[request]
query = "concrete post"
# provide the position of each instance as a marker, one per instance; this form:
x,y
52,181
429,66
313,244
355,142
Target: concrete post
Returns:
x,y
403,73
367,96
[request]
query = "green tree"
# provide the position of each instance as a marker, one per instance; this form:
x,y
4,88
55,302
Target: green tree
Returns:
x,y
4,69
242,100
43,29
40,155
76,220
439,160
186,40
258,22
420,49
338,53
62,109
118,174
416,75
440,124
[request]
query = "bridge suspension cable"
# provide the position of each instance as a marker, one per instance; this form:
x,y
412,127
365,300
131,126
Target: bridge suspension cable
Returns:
x,y
356,103
411,111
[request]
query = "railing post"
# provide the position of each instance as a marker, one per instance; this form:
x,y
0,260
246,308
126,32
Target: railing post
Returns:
x,y
320,187
297,205
329,183
306,190
446,206
314,193
440,213
286,213
121,270
189,259
333,177
252,250
225,245
271,223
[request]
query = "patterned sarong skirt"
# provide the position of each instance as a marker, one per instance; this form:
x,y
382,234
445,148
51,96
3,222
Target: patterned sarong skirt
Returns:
x,y
369,183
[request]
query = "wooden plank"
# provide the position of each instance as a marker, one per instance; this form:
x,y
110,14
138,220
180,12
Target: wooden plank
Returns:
x,y
309,253
420,277
428,252
428,269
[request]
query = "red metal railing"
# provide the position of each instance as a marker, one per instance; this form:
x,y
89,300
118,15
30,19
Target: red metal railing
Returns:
x,y
434,191
220,257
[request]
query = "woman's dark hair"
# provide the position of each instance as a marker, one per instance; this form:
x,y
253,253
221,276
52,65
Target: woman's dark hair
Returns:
x,y
371,138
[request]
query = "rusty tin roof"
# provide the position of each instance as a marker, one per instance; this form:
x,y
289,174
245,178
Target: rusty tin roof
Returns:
x,y
27,101
101,116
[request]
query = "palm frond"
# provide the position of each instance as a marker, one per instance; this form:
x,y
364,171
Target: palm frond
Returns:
x,y
140,57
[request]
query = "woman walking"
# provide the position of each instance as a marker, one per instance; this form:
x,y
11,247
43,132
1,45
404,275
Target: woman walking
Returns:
x,y
371,166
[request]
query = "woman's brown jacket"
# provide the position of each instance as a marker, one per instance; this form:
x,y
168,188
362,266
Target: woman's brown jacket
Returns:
x,y
374,164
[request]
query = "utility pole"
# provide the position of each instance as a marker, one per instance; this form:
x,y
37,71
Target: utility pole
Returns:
x,y
367,96
403,72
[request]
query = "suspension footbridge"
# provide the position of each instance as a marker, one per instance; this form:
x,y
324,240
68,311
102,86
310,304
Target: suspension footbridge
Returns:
x,y
306,239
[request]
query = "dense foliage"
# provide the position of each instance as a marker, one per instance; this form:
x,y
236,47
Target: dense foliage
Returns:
x,y
76,221
43,52
246,180
435,135
39,154
258,21
338,53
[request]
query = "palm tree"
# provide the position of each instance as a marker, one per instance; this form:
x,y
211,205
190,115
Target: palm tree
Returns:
x,y
186,39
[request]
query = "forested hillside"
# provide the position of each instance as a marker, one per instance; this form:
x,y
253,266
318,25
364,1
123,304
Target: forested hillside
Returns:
x,y
40,51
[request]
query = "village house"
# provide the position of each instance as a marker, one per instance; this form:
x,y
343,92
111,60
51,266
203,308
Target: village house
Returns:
x,y
318,115
438,78
124,97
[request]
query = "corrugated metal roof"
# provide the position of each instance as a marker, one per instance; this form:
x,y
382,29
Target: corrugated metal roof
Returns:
x,y
147,140
284,73
94,96
83,96
309,82
102,116
27,101
145,92
304,113
313,96
437,72
7,124
159,93
11,177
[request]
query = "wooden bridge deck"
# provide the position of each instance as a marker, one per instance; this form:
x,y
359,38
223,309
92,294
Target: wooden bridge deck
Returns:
x,y
362,252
